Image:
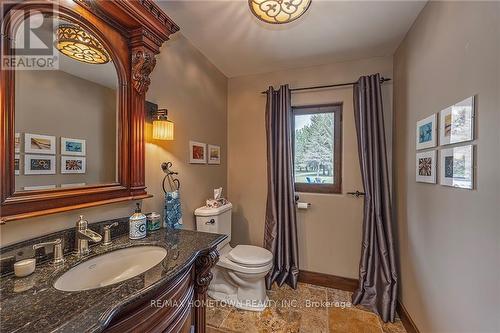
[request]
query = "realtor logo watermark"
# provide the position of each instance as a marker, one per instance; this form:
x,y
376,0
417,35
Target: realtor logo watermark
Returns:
x,y
28,39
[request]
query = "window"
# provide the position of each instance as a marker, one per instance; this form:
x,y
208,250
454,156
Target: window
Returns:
x,y
317,148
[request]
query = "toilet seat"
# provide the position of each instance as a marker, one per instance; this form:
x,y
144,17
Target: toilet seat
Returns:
x,y
232,266
250,256
252,259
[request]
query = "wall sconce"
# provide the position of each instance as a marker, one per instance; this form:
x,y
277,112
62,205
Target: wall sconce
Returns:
x,y
163,129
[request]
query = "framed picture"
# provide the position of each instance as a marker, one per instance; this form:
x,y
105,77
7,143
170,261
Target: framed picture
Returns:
x,y
197,152
17,165
17,142
457,167
39,187
426,167
71,164
72,147
39,144
39,165
73,185
457,122
426,132
213,154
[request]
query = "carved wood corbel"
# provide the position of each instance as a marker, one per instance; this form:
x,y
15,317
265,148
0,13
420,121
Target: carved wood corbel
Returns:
x,y
203,277
204,264
143,63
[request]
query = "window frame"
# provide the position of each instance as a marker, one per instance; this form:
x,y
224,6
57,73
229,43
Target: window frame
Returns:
x,y
336,187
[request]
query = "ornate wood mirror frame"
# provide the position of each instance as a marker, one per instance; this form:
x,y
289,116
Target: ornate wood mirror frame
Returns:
x,y
132,32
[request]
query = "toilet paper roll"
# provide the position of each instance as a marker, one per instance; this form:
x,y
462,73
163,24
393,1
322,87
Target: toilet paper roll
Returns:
x,y
302,205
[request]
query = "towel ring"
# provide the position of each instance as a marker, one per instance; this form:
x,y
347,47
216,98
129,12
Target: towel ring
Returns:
x,y
169,175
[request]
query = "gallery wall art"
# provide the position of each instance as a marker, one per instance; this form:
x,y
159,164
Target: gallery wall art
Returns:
x,y
17,164
39,165
74,147
73,185
197,152
426,167
213,154
456,129
39,144
17,142
457,123
456,167
39,187
73,164
426,132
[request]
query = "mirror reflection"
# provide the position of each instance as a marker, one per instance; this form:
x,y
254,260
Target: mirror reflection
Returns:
x,y
66,119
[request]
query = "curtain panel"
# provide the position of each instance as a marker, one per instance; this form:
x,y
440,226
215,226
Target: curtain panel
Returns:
x,y
378,280
280,236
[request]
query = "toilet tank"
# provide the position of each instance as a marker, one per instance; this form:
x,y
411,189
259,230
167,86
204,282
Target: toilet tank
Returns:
x,y
215,220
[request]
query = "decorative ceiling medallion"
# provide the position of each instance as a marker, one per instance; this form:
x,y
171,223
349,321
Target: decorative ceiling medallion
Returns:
x,y
80,45
278,11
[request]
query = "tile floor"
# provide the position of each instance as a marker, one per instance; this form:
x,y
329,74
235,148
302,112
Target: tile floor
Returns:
x,y
309,309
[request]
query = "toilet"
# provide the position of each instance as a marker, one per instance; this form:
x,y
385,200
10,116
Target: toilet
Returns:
x,y
238,276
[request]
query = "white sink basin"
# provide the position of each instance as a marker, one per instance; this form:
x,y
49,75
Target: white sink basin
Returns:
x,y
111,268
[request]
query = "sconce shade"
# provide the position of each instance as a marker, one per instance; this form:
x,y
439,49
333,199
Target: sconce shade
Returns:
x,y
80,45
163,129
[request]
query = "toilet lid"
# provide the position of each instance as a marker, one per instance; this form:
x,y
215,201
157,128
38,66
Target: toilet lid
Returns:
x,y
248,255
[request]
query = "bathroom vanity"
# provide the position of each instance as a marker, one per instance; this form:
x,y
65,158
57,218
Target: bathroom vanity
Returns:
x,y
72,136
167,297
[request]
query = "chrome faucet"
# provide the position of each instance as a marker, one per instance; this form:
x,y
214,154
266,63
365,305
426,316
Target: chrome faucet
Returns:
x,y
83,235
58,250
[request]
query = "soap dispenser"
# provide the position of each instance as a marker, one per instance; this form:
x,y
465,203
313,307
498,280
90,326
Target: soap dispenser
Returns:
x,y
137,224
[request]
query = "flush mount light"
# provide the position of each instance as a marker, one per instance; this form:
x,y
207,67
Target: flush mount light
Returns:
x,y
278,11
80,45
163,129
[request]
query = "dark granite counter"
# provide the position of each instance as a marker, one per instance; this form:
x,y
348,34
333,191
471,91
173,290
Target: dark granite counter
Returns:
x,y
32,304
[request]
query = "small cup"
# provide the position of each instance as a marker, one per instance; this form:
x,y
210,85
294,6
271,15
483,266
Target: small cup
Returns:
x,y
154,221
24,267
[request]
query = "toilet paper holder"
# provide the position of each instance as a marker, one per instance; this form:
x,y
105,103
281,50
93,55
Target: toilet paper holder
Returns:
x,y
297,202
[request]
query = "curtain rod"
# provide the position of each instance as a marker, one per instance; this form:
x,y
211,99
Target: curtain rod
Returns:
x,y
382,80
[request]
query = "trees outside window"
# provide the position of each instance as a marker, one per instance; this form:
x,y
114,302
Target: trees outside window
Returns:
x,y
317,148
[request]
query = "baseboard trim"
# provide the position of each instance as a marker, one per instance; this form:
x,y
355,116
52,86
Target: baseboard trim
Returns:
x,y
408,323
348,284
329,281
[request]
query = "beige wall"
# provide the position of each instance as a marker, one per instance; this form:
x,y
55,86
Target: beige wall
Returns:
x,y
449,238
62,105
330,231
194,91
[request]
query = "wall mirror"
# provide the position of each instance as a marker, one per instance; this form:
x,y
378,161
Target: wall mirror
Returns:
x,y
72,131
66,119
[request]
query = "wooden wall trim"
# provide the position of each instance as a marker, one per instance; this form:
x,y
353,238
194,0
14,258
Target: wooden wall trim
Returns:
x,y
23,216
327,280
348,284
408,323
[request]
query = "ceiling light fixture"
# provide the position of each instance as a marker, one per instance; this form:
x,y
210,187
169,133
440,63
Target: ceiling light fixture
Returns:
x,y
80,45
278,11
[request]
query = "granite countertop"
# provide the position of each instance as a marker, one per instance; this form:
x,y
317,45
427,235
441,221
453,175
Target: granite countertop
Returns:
x,y
32,304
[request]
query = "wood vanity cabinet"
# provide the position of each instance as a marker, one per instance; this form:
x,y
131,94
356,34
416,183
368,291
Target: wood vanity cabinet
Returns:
x,y
166,311
132,32
177,307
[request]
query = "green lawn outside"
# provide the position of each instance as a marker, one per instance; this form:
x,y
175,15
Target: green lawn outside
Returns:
x,y
300,177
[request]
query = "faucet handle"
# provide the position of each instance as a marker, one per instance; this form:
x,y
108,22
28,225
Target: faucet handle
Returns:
x,y
107,233
58,250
